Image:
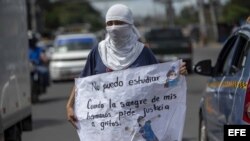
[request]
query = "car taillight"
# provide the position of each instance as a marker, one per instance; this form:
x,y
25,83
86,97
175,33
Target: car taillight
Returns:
x,y
246,115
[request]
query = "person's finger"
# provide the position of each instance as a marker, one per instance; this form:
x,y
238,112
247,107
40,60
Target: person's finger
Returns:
x,y
183,64
72,119
183,68
74,124
183,71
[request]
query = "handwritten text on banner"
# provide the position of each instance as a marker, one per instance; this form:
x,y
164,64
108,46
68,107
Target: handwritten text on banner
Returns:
x,y
138,104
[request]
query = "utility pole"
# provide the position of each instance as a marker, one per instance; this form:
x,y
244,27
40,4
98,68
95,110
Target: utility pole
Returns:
x,y
170,12
213,19
203,32
33,15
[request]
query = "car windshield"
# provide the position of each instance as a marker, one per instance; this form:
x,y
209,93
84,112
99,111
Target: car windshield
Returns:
x,y
65,45
163,34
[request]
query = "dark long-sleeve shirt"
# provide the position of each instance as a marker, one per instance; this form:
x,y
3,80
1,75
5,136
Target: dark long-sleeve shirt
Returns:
x,y
94,64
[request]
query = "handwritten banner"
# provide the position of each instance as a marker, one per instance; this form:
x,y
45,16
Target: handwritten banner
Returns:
x,y
139,104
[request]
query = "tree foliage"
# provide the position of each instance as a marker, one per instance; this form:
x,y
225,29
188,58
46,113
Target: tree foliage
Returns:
x,y
188,15
236,10
233,11
72,13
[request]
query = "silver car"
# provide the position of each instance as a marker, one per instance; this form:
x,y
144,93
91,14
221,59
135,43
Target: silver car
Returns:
x,y
226,100
69,55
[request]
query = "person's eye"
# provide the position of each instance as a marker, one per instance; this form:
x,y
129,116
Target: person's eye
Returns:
x,y
120,23
109,24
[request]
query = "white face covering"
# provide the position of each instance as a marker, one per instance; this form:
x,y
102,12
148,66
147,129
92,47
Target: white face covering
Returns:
x,y
119,33
121,47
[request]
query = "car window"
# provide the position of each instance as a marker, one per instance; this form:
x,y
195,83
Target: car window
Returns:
x,y
225,56
160,34
228,60
74,44
240,52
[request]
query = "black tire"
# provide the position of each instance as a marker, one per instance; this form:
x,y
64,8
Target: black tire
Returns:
x,y
35,92
27,124
34,98
13,133
202,130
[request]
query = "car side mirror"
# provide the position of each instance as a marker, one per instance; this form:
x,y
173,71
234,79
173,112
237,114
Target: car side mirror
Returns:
x,y
204,68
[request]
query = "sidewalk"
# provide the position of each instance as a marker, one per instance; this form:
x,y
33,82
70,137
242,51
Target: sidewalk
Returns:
x,y
214,45
208,45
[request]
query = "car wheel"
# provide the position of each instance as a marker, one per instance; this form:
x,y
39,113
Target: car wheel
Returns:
x,y
202,130
14,133
27,123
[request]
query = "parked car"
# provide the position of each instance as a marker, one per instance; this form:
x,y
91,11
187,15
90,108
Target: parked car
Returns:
x,y
226,100
170,44
69,55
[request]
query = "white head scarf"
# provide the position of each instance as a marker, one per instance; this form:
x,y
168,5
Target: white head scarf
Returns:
x,y
121,47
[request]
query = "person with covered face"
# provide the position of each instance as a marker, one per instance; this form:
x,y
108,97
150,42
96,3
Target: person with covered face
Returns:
x,y
121,49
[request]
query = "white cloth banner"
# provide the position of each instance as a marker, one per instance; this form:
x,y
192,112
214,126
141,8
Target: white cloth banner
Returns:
x,y
138,104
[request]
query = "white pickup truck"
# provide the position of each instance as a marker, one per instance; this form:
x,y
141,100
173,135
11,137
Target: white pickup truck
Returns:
x,y
15,93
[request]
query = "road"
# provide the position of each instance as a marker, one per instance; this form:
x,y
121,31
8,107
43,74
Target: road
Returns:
x,y
49,115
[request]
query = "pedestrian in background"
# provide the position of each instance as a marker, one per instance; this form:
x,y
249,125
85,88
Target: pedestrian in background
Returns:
x,y
38,60
121,49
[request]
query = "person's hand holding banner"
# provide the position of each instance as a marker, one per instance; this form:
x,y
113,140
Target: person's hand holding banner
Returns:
x,y
139,104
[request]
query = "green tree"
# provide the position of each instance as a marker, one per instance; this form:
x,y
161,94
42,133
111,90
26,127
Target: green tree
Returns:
x,y
188,15
236,10
71,13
